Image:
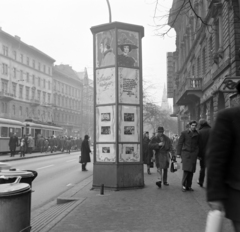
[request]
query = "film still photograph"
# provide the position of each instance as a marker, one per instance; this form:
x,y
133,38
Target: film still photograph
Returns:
x,y
105,130
128,117
129,130
105,117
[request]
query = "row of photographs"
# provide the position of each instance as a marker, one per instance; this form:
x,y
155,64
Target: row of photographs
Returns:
x,y
126,49
127,127
128,86
127,152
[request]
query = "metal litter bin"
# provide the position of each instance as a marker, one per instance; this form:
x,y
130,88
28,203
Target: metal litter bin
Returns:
x,y
15,207
27,176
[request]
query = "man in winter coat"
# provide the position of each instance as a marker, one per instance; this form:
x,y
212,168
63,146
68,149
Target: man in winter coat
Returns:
x,y
223,159
187,149
162,146
204,132
85,153
13,143
30,144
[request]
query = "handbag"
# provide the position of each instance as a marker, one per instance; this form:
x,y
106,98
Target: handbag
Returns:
x,y
214,221
174,166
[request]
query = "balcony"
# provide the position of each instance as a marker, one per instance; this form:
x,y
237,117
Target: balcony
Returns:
x,y
6,96
189,92
34,102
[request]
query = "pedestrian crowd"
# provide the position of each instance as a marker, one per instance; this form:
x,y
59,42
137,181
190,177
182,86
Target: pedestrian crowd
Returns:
x,y
218,151
43,144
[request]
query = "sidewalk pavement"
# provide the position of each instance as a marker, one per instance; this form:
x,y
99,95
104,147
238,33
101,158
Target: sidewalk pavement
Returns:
x,y
149,209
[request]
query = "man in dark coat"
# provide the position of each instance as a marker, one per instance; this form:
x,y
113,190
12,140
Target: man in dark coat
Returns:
x,y
204,131
187,149
162,146
223,159
13,143
85,151
146,151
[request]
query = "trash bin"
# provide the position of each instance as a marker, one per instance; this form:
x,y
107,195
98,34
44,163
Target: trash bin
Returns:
x,y
15,207
27,176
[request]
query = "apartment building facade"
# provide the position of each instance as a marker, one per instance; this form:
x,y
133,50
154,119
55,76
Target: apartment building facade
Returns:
x,y
25,81
204,69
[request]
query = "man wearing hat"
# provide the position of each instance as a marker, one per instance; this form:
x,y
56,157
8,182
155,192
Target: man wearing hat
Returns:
x,y
162,146
187,148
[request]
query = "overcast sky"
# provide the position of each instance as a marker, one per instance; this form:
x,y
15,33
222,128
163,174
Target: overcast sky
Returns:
x,y
61,29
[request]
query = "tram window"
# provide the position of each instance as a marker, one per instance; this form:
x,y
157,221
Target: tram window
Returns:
x,y
32,132
4,131
47,133
27,130
43,133
11,131
18,132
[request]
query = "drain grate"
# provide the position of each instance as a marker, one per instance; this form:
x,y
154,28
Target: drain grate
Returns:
x,y
44,221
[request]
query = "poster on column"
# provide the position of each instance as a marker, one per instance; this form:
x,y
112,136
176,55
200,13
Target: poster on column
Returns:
x,y
128,85
105,85
105,124
129,123
105,152
129,152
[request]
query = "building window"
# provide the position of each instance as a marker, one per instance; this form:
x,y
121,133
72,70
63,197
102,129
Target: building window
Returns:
x,y
44,83
44,97
21,57
33,79
49,98
210,51
27,77
27,93
28,61
4,69
14,55
27,111
13,109
39,95
20,91
20,110
14,72
4,86
44,68
217,36
21,75
5,50
14,87
33,63
39,81
39,66
49,85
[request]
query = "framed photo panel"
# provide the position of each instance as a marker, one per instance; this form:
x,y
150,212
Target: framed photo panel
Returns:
x,y
105,86
105,152
105,48
129,152
128,85
105,124
128,49
129,124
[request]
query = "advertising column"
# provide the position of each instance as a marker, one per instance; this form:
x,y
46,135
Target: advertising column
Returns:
x,y
118,106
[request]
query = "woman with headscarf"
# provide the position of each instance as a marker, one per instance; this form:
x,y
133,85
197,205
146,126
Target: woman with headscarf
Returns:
x,y
85,151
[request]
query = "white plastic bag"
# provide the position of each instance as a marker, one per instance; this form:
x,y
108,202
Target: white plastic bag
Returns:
x,y
214,221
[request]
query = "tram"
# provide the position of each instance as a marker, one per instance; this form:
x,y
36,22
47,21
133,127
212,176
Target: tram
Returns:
x,y
8,127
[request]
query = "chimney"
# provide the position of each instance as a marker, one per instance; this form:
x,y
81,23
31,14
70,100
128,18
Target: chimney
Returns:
x,y
17,37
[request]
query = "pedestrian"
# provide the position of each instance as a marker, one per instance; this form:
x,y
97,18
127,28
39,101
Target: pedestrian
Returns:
x,y
204,131
13,143
30,144
175,143
23,146
163,150
146,153
223,159
85,153
187,149
68,145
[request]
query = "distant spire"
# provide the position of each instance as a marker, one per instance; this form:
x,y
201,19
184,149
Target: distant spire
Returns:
x,y
85,76
164,105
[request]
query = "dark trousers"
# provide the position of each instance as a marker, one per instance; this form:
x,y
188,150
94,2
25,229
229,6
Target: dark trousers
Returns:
x,y
84,166
13,151
202,172
30,150
187,179
165,175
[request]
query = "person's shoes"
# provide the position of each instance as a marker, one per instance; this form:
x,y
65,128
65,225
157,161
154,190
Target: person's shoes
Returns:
x,y
166,183
159,184
184,189
190,189
200,184
148,171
